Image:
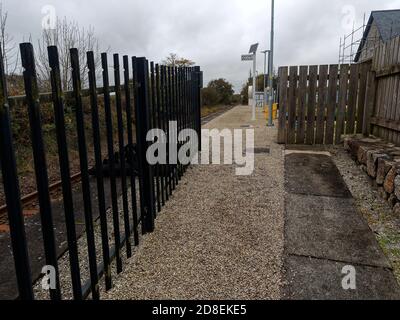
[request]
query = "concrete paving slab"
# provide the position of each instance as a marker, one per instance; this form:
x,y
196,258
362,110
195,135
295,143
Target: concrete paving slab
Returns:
x,y
324,232
316,279
314,174
330,228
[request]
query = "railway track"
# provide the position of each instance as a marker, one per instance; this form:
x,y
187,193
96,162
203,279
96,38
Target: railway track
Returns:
x,y
29,201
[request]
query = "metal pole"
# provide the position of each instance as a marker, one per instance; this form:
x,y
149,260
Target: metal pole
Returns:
x,y
265,76
344,50
271,65
352,43
268,93
254,85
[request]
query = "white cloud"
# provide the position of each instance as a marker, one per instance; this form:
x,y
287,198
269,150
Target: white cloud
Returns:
x,y
213,33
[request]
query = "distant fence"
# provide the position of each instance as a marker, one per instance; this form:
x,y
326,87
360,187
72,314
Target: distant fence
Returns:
x,y
317,104
148,98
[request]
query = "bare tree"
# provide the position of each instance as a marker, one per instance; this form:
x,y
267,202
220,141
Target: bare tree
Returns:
x,y
65,36
173,60
8,46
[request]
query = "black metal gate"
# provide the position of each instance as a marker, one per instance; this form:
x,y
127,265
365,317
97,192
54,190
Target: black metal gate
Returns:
x,y
148,98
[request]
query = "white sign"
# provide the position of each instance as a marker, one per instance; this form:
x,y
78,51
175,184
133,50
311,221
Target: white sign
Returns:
x,y
247,57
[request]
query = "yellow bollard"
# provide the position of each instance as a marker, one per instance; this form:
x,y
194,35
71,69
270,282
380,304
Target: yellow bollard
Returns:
x,y
274,111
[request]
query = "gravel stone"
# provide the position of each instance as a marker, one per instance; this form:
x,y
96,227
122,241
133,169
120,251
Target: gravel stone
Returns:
x,y
377,212
220,236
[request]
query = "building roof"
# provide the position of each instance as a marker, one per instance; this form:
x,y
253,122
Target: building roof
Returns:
x,y
388,24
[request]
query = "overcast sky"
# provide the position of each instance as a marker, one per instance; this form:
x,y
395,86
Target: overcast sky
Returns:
x,y
213,33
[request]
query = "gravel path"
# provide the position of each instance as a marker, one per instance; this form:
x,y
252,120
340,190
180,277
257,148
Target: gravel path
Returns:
x,y
220,236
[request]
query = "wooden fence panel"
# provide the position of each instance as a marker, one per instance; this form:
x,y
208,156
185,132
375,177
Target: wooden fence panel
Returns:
x,y
385,108
318,104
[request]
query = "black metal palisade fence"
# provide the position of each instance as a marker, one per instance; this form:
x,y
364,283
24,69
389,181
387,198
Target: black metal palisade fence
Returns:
x,y
150,97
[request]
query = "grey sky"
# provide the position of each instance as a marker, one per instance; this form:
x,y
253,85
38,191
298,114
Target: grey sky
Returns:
x,y
214,33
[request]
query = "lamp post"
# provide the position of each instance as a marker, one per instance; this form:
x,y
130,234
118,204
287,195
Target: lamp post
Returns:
x,y
253,118
266,96
271,65
252,56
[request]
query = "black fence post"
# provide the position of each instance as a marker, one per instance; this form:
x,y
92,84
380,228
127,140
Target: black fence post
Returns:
x,y
171,181
142,107
198,102
58,104
160,125
175,119
83,158
129,119
165,128
154,125
186,104
111,161
94,108
12,193
122,161
42,180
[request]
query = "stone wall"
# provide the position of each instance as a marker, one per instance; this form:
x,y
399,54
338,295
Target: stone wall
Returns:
x,y
381,161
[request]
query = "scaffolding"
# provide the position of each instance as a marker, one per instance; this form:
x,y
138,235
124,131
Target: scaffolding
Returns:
x,y
354,44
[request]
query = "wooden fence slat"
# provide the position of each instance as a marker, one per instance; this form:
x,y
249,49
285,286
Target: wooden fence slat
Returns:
x,y
382,131
375,59
302,99
389,89
331,105
343,87
394,52
376,107
321,105
361,96
370,95
386,84
292,105
353,92
311,103
390,105
395,116
282,132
